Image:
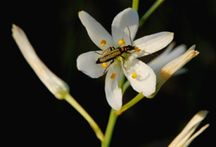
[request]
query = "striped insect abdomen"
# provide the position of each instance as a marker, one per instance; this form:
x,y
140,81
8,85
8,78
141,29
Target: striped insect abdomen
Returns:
x,y
112,54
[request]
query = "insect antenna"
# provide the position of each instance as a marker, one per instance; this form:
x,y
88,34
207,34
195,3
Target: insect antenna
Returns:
x,y
129,33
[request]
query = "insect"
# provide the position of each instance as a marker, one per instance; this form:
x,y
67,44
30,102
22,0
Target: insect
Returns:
x,y
111,53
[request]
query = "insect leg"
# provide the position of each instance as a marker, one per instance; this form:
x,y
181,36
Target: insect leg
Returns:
x,y
108,66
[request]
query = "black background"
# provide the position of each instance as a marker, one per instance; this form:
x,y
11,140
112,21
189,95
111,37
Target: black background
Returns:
x,y
30,115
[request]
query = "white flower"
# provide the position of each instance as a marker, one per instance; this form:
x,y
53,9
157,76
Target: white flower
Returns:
x,y
124,28
188,134
54,84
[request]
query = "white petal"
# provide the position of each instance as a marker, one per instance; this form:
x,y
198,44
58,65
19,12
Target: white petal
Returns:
x,y
86,63
167,56
125,25
141,77
174,65
96,31
112,90
153,43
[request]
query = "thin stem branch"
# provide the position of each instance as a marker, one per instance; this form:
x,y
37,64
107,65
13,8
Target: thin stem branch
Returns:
x,y
85,115
110,127
131,103
125,86
156,4
135,4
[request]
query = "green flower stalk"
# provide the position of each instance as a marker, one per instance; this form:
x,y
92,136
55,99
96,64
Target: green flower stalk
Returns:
x,y
135,4
156,4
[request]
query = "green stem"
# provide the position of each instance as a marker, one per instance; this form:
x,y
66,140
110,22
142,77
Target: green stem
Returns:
x,y
125,86
131,103
156,4
110,127
135,4
85,115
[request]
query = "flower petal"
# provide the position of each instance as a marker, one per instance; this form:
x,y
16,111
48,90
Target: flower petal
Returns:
x,y
164,58
141,77
86,63
153,43
96,31
174,65
112,90
125,25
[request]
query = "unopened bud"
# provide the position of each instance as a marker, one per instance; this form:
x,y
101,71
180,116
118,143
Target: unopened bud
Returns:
x,y
189,133
54,84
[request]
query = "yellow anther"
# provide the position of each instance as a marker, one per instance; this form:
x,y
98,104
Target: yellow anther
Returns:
x,y
137,49
104,65
113,76
103,43
121,42
134,75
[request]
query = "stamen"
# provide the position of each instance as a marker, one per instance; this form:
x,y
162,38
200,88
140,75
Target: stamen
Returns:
x,y
134,75
121,42
113,76
104,65
137,49
103,43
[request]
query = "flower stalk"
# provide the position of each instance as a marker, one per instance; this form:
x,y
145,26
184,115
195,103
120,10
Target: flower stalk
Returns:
x,y
156,4
135,4
110,127
85,115
131,103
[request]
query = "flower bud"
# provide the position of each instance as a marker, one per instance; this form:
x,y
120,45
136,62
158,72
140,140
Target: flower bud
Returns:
x,y
54,84
187,135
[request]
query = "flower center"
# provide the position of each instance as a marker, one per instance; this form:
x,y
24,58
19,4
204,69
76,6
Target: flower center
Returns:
x,y
121,42
104,65
134,75
113,76
103,43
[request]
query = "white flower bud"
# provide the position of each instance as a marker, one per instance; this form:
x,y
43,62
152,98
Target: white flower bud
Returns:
x,y
54,84
187,135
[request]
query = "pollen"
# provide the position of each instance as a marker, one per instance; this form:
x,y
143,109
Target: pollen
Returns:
x,y
137,49
134,75
103,43
113,76
104,65
121,42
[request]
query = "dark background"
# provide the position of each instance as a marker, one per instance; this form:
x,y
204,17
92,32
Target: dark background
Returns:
x,y
32,116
